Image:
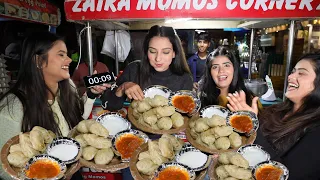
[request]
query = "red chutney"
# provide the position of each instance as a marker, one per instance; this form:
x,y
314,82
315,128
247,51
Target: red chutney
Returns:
x,y
127,144
184,103
242,122
173,173
268,172
43,169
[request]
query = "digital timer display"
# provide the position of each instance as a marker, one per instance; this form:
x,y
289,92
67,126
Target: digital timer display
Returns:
x,y
98,79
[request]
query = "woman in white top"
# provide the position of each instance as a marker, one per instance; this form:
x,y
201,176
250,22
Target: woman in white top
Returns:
x,y
44,95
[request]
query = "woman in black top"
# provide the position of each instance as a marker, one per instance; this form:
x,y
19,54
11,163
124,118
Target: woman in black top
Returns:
x,y
290,131
163,64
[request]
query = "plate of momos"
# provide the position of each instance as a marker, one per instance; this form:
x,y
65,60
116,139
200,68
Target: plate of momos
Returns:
x,y
213,135
230,166
185,101
18,150
97,152
154,115
153,90
147,158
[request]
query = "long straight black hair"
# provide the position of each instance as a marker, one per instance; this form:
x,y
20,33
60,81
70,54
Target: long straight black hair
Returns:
x,y
209,92
179,64
32,90
281,126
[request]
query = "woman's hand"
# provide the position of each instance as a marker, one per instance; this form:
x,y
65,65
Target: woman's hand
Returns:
x,y
99,89
132,90
195,86
237,102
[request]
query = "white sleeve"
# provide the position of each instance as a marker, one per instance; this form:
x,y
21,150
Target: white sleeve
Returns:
x,y
88,103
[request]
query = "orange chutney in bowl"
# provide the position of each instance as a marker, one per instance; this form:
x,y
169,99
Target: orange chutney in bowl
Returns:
x,y
173,173
43,169
184,103
127,144
242,123
268,172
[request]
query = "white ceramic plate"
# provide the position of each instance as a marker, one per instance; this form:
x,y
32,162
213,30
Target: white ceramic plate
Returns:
x,y
151,91
114,123
209,111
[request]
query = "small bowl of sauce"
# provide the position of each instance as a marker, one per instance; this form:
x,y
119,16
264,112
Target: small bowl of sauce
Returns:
x,y
270,170
243,122
126,142
185,102
44,167
174,171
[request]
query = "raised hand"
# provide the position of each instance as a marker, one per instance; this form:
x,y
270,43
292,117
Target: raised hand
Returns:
x,y
237,102
132,90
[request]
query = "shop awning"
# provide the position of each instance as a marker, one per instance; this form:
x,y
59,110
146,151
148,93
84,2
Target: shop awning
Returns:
x,y
40,11
197,9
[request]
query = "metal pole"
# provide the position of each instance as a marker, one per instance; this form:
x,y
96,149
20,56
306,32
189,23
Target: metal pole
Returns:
x,y
89,48
116,56
251,53
289,55
309,36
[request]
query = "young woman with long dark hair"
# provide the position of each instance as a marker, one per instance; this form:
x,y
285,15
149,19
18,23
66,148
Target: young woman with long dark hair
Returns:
x,y
222,79
43,95
163,63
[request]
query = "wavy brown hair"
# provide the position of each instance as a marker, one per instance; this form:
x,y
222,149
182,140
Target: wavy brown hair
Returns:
x,y
281,126
32,90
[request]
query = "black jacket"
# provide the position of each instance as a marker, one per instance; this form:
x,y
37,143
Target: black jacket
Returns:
x,y
173,81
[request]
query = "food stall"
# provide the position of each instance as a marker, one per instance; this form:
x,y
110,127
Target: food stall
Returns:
x,y
111,15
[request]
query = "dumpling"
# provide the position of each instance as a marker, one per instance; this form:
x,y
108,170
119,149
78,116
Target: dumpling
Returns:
x,y
143,106
81,140
192,124
136,114
165,111
47,136
144,155
222,131
155,126
155,153
99,129
26,146
224,158
15,148
165,123
17,159
158,100
149,117
212,146
177,120
176,143
146,166
238,172
103,156
84,125
166,148
201,125
89,152
230,178
207,137
96,141
222,143
235,140
194,134
37,140
134,104
239,160
221,172
216,120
